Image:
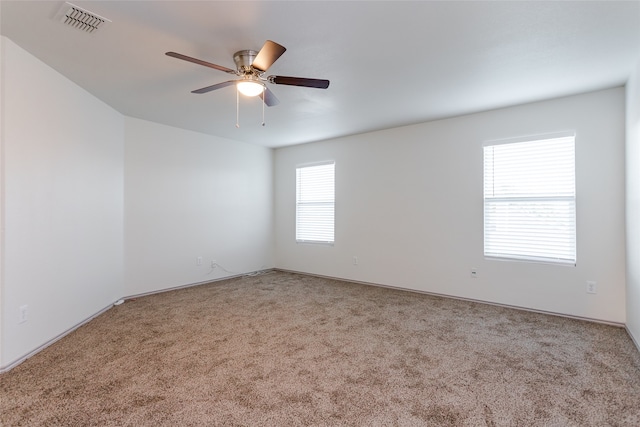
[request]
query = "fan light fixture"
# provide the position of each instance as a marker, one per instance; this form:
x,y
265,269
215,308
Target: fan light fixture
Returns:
x,y
250,87
250,67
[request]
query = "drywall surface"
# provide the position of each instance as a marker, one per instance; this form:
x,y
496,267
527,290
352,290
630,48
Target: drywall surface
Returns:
x,y
2,61
191,195
409,206
63,202
633,204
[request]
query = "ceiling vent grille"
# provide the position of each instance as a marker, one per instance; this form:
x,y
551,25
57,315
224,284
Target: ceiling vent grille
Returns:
x,y
81,19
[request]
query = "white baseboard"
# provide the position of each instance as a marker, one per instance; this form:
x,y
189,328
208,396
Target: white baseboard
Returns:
x,y
515,307
190,285
38,349
21,359
175,288
633,338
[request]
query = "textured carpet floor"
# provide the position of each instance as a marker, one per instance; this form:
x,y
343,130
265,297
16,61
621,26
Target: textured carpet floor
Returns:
x,y
282,349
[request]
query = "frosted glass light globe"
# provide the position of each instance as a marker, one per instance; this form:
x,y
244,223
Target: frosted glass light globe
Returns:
x,y
250,88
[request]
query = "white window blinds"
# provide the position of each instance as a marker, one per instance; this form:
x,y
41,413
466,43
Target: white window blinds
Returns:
x,y
315,203
530,200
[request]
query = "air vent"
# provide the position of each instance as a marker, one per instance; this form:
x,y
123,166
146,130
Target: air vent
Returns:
x,y
81,19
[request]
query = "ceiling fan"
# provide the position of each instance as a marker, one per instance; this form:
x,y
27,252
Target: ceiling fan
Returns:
x,y
251,66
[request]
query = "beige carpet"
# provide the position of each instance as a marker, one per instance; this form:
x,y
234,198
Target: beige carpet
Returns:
x,y
282,349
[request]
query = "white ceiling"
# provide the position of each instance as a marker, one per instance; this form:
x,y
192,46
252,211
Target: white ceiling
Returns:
x,y
390,63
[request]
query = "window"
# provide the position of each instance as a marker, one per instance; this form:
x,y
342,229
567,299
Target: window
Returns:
x,y
530,200
315,203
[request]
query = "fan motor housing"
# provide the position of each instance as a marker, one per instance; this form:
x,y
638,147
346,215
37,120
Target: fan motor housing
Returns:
x,y
244,59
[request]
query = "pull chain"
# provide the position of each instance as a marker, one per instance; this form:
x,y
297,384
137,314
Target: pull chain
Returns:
x,y
237,109
263,101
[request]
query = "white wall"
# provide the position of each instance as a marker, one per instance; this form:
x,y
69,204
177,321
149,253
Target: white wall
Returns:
x,y
633,204
78,176
190,195
63,203
409,206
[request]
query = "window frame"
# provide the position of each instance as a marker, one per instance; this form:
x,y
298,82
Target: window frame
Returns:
x,y
572,199
298,204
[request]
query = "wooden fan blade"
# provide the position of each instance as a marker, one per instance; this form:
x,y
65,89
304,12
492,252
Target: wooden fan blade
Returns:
x,y
200,62
269,98
299,81
214,87
269,53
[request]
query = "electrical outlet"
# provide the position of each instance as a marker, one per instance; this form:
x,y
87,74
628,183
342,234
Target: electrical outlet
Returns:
x,y
199,260
23,312
474,273
591,287
213,263
355,260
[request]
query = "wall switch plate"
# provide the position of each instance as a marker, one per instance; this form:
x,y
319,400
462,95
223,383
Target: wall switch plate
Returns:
x,y
23,312
355,260
199,260
591,287
213,263
474,273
